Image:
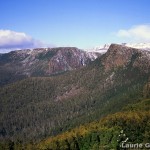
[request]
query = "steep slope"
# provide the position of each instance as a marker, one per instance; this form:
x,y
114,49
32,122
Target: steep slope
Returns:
x,y
122,56
35,108
130,125
42,62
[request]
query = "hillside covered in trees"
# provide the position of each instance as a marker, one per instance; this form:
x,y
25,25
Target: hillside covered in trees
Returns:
x,y
39,107
132,125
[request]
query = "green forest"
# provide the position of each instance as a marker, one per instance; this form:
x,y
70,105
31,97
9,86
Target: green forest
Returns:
x,y
92,108
132,122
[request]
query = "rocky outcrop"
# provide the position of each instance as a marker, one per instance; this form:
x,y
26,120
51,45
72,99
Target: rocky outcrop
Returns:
x,y
122,56
42,62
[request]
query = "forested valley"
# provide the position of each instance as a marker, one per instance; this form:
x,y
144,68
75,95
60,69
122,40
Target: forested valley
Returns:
x,y
86,108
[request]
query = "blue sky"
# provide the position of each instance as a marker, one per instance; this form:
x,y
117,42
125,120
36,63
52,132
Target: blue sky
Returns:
x,y
80,23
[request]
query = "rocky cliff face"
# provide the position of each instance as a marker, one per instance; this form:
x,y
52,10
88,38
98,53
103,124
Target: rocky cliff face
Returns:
x,y
122,56
69,59
42,62
51,61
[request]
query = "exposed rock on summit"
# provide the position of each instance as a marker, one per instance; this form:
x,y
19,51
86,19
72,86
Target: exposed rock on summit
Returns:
x,y
121,56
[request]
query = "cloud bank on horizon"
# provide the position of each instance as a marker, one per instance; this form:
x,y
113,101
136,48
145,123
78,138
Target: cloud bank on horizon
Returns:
x,y
139,33
17,40
12,40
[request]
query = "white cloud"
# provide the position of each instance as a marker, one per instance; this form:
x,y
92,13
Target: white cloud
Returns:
x,y
136,33
17,40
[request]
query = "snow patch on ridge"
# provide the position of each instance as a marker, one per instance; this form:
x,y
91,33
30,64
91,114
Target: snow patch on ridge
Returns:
x,y
103,49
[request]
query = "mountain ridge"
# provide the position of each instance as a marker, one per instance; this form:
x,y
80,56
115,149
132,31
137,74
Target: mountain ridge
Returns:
x,y
42,62
59,103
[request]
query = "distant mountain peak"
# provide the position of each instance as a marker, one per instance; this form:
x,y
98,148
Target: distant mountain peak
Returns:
x,y
105,47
